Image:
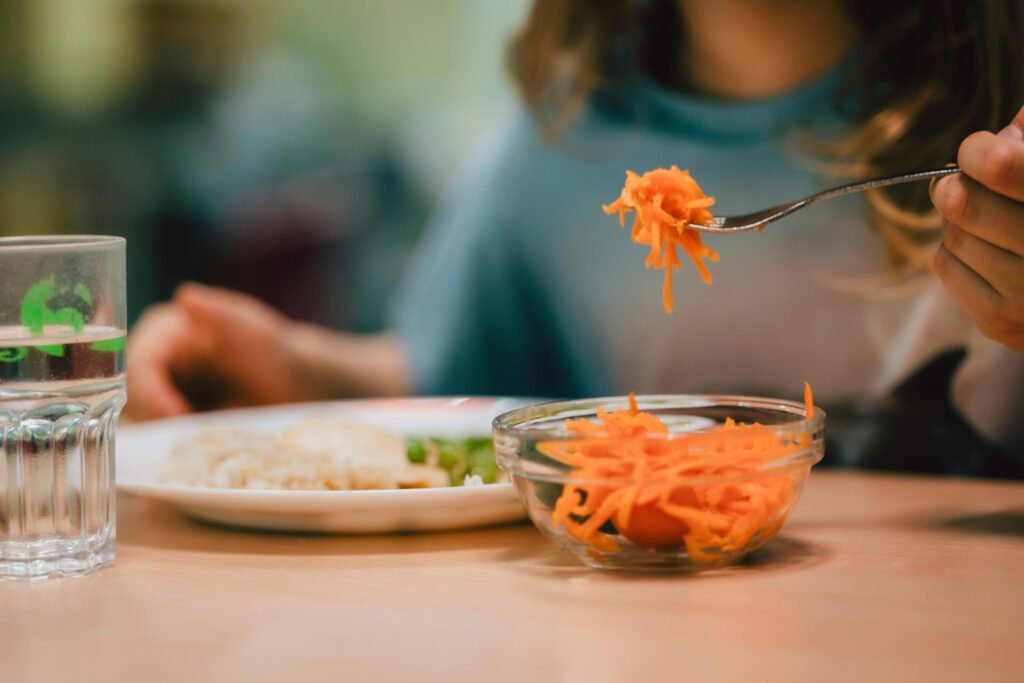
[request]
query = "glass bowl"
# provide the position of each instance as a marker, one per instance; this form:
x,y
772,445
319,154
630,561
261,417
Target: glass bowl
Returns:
x,y
715,486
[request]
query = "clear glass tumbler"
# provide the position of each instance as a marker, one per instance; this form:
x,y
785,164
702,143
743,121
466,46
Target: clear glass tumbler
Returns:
x,y
62,347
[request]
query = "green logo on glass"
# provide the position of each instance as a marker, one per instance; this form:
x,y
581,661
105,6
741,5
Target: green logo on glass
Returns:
x,y
37,311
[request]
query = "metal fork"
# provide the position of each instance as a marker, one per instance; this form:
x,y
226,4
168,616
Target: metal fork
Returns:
x,y
729,224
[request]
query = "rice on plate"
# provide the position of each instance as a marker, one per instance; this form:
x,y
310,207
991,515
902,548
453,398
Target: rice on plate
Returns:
x,y
318,454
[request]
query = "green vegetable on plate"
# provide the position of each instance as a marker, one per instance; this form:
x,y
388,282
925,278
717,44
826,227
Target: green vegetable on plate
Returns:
x,y
473,456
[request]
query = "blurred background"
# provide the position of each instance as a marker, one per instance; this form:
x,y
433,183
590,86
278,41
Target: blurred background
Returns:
x,y
289,148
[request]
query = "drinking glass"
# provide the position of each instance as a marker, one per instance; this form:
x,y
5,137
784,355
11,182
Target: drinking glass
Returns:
x,y
62,341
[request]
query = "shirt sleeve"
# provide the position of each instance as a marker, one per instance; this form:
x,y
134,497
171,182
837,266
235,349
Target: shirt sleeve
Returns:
x,y
989,391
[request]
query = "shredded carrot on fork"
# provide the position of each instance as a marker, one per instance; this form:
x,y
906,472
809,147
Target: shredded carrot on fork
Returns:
x,y
666,202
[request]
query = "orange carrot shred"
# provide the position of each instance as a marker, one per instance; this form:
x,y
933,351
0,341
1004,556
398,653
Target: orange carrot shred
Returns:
x,y
666,201
808,401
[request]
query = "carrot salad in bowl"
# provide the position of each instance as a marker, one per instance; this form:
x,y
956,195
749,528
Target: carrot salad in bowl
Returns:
x,y
645,486
667,482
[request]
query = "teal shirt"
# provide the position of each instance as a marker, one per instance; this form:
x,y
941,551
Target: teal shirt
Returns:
x,y
523,286
522,279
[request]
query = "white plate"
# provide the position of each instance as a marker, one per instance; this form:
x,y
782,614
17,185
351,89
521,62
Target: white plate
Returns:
x,y
141,449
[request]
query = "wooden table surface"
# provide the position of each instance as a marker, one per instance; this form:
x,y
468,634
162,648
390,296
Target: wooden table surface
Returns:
x,y
873,578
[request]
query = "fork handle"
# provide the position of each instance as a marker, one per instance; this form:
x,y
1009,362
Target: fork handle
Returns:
x,y
883,182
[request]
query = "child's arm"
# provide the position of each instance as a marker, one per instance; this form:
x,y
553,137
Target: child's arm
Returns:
x,y
981,259
215,348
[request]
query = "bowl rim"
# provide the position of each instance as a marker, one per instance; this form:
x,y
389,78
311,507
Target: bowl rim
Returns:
x,y
509,424
510,421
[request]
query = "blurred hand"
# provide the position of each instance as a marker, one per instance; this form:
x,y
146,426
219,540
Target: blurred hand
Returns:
x,y
981,260
210,348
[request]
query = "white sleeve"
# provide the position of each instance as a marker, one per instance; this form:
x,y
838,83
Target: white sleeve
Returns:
x,y
988,387
988,390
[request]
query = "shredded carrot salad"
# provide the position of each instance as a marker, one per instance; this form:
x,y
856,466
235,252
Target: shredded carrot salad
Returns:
x,y
649,488
665,202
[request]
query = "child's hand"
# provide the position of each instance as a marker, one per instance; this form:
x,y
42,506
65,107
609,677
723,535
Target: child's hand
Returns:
x,y
209,348
981,259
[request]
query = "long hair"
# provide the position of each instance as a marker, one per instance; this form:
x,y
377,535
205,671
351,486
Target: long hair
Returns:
x,y
932,72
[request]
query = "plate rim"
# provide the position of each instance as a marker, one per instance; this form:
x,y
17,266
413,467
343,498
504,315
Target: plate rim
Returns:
x,y
497,499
